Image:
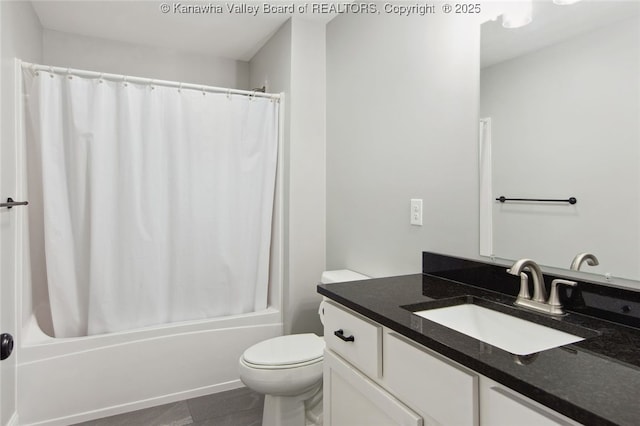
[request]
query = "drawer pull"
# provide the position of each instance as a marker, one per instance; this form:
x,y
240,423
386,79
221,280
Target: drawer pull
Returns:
x,y
340,335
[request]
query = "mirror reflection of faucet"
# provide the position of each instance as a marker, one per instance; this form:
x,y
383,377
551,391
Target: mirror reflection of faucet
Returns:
x,y
539,302
580,258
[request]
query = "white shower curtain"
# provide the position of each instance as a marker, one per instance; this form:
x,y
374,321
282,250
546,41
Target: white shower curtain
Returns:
x,y
157,201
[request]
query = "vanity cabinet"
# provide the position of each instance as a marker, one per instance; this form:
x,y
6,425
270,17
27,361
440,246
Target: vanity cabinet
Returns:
x,y
374,376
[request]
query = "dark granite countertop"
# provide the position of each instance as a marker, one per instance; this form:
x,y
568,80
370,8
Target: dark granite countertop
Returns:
x,y
595,381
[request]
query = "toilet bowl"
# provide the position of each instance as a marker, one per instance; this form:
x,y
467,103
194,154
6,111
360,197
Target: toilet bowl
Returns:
x,y
288,371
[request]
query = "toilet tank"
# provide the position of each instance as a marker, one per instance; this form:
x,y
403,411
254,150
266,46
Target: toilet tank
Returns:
x,y
341,275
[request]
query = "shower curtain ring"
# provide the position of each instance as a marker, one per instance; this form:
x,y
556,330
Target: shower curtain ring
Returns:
x,y
34,70
229,94
100,78
124,79
51,72
151,85
69,76
203,91
180,88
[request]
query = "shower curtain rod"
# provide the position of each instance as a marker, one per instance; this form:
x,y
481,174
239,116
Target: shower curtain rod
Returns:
x,y
150,81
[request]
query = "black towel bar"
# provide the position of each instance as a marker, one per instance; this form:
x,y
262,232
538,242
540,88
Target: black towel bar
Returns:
x,y
571,200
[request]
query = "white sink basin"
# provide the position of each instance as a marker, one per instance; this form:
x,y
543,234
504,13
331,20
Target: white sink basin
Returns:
x,y
504,331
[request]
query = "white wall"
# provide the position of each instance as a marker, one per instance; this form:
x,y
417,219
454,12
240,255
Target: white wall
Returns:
x,y
21,37
95,54
565,123
402,96
293,61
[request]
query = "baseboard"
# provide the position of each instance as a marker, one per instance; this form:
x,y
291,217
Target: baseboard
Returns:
x,y
134,406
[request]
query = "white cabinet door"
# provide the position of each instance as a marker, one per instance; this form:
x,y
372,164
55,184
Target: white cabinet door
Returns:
x,y
443,392
503,407
351,399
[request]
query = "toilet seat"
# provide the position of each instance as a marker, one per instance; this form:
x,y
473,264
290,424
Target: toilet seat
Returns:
x,y
285,366
283,352
282,367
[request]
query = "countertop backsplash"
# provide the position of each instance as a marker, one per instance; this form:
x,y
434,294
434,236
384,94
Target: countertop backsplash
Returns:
x,y
588,298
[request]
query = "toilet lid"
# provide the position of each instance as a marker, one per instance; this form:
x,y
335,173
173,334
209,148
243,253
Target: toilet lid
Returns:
x,y
286,350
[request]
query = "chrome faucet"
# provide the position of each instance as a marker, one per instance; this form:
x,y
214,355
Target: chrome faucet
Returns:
x,y
539,301
539,292
580,258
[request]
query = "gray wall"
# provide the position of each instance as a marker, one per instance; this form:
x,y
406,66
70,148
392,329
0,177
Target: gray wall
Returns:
x,y
271,65
307,202
293,61
565,123
402,96
21,37
95,54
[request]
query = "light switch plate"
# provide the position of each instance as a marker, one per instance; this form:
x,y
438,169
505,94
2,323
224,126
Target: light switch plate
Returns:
x,y
416,211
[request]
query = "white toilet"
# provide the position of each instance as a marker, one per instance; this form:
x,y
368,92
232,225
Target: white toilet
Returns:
x,y
288,370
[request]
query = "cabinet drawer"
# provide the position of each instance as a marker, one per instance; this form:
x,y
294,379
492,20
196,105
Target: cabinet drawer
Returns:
x,y
361,342
442,392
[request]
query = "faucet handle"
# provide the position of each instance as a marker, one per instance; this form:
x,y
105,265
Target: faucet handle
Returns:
x,y
524,287
554,299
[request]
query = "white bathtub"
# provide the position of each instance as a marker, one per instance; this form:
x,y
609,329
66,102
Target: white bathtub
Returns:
x,y
69,380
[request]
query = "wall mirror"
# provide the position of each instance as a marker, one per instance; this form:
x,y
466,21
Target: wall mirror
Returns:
x,y
560,118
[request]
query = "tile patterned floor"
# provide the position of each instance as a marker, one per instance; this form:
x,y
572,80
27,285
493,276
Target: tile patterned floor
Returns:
x,y
237,407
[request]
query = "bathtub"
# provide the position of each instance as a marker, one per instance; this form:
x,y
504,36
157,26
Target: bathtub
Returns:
x,y
68,380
